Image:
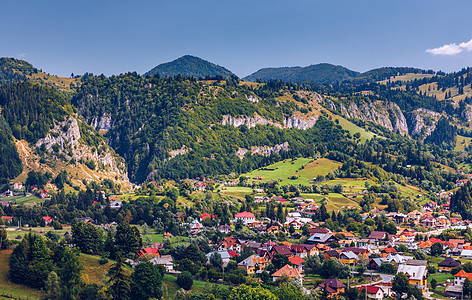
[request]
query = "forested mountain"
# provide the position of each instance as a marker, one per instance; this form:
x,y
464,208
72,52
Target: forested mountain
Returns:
x,y
320,73
190,66
181,127
14,70
38,122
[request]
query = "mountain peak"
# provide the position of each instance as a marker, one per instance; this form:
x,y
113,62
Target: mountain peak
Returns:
x,y
322,73
189,65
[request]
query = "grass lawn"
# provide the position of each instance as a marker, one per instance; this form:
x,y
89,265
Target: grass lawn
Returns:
x,y
7,287
441,277
158,238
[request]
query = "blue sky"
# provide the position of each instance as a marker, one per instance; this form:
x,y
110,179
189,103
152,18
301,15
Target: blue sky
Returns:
x,y
113,37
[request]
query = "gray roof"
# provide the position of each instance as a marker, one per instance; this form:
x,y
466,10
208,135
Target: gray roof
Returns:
x,y
414,272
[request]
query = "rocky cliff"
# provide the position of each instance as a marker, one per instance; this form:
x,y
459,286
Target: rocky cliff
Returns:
x,y
297,120
386,114
422,122
64,142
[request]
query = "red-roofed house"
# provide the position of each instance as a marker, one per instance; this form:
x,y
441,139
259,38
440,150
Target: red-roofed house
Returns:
x,y
47,220
334,287
297,262
149,250
207,215
461,277
288,270
229,244
246,217
373,292
7,219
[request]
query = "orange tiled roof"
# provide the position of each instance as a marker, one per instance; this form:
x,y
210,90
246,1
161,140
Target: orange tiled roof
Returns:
x,y
288,270
462,273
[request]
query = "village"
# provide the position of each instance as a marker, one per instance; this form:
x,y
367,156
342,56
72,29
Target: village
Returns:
x,y
437,259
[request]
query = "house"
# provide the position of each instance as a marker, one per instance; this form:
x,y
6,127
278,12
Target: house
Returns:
x,y
289,271
86,220
47,220
7,219
195,225
18,185
5,203
417,275
229,244
43,194
375,263
333,286
377,236
320,238
280,249
200,186
331,253
116,204
466,254
297,262
149,250
253,263
319,230
246,217
299,250
430,206
292,216
461,182
348,257
447,264
225,229
294,223
373,292
274,229
207,215
389,250
165,261
461,277
428,221
311,250
225,256
362,253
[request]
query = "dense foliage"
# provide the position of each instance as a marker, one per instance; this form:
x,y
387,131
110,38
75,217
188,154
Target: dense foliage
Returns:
x,y
190,66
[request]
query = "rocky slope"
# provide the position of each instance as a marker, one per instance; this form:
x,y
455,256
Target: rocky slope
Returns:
x,y
64,148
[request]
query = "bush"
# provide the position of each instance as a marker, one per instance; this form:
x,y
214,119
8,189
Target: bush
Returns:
x,y
185,280
103,260
57,225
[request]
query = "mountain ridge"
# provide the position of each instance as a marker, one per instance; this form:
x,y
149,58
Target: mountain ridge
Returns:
x,y
189,65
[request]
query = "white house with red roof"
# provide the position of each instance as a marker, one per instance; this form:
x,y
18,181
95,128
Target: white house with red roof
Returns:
x,y
207,215
246,217
373,292
47,220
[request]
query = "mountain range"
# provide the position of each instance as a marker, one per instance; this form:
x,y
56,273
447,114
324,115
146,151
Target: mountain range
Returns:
x,y
154,127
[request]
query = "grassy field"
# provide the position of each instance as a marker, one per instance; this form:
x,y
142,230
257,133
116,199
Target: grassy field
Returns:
x,y
304,168
462,142
353,128
335,201
7,287
280,170
159,238
238,191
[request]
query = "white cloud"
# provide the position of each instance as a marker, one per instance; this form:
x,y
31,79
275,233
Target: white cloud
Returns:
x,y
451,49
